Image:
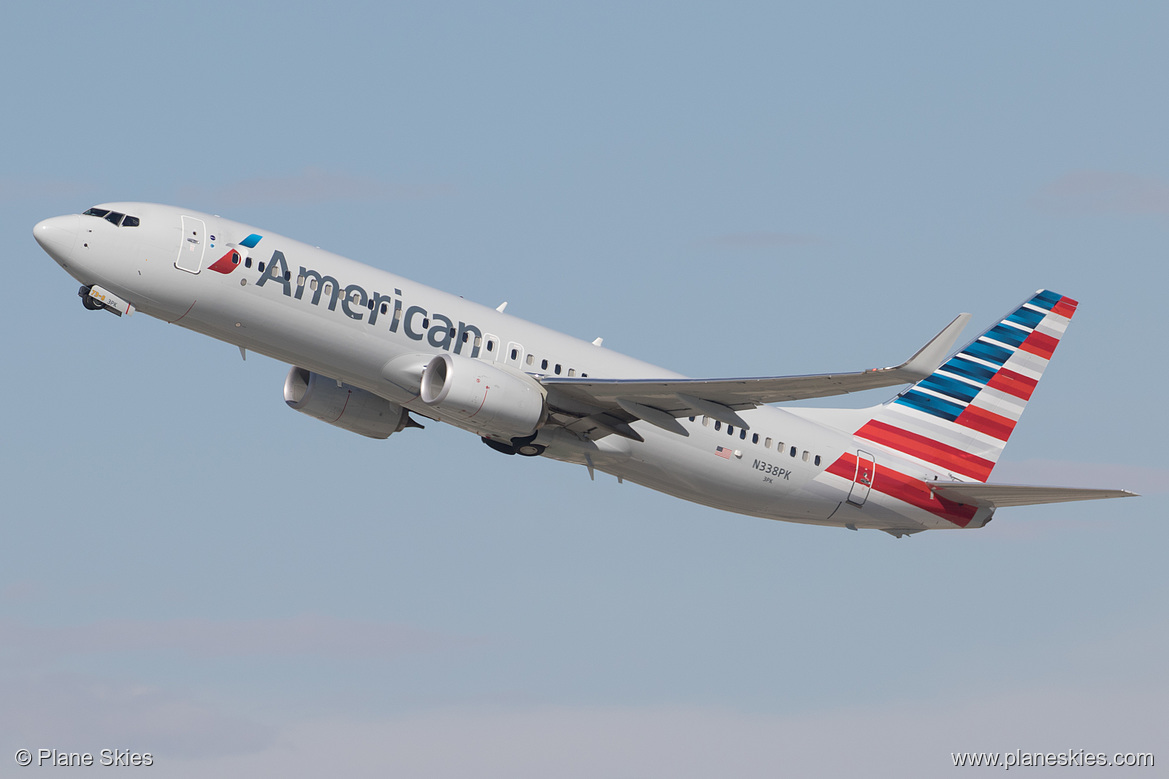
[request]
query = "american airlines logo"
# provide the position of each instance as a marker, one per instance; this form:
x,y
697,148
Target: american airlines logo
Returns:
x,y
415,322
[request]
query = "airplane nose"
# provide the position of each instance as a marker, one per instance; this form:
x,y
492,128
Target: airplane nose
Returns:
x,y
58,235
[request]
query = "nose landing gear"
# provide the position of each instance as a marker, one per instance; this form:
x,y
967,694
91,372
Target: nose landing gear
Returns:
x,y
94,298
90,303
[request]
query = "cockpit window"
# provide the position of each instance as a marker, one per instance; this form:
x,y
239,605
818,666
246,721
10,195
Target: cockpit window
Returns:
x,y
113,217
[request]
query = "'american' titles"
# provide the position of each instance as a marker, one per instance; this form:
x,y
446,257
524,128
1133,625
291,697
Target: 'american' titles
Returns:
x,y
416,323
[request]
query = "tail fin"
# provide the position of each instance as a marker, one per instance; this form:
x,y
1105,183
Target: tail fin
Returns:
x,y
958,419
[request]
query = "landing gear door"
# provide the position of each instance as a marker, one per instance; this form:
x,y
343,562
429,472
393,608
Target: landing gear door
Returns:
x,y
193,243
862,482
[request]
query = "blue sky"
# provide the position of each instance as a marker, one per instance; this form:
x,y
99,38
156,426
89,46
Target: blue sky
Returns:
x,y
191,569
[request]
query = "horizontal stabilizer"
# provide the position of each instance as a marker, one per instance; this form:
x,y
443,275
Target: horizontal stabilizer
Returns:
x,y
999,495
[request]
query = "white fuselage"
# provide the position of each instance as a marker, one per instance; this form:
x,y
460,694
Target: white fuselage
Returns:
x,y
349,321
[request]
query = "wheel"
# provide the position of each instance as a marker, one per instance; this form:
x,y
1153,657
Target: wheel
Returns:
x,y
499,447
91,303
530,450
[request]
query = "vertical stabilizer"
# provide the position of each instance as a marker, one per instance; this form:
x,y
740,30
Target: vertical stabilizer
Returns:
x,y
959,418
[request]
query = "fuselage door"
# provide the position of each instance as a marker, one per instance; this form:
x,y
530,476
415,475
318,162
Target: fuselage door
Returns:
x,y
194,242
862,482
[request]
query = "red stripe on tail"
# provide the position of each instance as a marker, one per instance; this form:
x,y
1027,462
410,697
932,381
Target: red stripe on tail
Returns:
x,y
987,422
1013,383
1040,344
943,455
1065,307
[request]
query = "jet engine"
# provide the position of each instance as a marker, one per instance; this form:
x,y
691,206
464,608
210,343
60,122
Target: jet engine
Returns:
x,y
350,408
483,398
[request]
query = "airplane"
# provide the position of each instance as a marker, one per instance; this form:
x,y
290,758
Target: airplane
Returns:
x,y
372,351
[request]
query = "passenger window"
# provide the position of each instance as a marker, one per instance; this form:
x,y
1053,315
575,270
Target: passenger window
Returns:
x,y
793,452
754,438
426,326
767,442
706,421
691,419
288,277
817,459
260,267
248,264
386,308
478,341
730,429
806,455
130,221
515,353
743,434
572,371
490,345
531,359
466,333
543,365
718,425
557,369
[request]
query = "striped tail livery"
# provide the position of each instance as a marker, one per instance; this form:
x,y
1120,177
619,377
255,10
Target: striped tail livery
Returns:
x,y
959,418
952,426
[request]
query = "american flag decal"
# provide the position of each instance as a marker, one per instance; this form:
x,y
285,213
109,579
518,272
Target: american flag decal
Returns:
x,y
723,452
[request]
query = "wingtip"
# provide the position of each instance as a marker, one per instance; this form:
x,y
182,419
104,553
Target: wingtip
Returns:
x,y
933,354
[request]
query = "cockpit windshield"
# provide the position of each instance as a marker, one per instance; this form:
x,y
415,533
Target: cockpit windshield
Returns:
x,y
113,217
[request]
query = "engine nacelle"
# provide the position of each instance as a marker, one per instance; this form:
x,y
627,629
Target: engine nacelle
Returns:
x,y
346,407
483,398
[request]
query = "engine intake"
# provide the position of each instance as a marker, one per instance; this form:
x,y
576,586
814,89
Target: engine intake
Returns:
x,y
483,398
349,408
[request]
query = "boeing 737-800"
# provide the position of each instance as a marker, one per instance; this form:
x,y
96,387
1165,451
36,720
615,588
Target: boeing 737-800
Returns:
x,y
371,350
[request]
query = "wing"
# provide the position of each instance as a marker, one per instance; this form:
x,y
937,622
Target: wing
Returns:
x,y
598,407
998,495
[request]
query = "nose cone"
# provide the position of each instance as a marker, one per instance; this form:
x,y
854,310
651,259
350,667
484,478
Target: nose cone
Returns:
x,y
58,236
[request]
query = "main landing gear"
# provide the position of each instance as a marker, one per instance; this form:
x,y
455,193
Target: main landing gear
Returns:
x,y
522,446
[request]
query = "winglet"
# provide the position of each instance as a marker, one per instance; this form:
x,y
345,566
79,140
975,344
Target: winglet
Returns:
x,y
933,354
